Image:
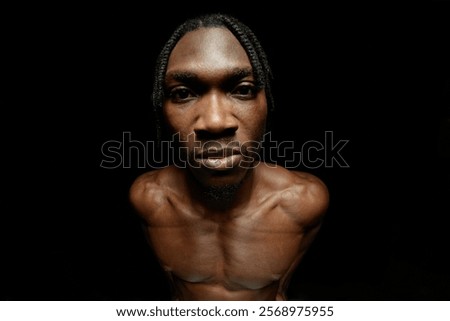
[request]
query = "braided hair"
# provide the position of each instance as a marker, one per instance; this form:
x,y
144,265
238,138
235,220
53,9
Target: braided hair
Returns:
x,y
246,37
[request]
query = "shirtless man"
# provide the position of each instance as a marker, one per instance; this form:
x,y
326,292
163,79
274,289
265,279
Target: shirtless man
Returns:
x,y
226,226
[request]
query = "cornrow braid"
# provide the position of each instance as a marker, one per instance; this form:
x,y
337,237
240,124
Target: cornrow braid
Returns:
x,y
246,37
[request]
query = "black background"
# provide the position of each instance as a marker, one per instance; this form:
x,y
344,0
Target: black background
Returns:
x,y
77,77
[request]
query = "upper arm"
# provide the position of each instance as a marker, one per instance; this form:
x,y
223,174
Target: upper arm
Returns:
x,y
306,200
145,195
137,192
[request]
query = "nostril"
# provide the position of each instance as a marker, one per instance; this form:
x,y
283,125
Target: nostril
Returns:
x,y
204,135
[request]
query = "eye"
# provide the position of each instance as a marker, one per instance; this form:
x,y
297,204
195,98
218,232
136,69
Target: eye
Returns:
x,y
180,94
245,91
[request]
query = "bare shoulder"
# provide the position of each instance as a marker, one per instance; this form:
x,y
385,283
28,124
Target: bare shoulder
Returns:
x,y
149,191
302,195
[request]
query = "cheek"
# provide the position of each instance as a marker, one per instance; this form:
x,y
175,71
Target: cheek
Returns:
x,y
256,119
179,126
264,113
261,129
174,120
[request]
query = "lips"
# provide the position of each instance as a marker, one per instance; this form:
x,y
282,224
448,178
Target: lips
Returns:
x,y
219,158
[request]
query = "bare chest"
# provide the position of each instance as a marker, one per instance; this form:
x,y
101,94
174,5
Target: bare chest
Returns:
x,y
251,251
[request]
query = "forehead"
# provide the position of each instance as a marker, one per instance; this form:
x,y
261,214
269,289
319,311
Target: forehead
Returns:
x,y
208,49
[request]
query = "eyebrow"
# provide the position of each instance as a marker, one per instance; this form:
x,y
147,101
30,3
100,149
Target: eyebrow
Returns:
x,y
191,77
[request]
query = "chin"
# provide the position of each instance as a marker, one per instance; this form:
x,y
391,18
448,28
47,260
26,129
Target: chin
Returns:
x,y
222,193
212,179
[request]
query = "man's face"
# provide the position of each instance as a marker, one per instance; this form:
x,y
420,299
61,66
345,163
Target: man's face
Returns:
x,y
212,102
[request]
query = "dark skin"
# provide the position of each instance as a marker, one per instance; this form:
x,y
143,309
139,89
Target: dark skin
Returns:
x,y
244,246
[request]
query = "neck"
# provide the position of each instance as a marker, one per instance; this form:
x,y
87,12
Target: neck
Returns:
x,y
222,198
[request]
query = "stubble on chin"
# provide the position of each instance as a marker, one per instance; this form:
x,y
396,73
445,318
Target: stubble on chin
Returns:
x,y
222,193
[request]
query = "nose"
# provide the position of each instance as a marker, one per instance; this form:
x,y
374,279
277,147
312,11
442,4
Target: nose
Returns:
x,y
215,117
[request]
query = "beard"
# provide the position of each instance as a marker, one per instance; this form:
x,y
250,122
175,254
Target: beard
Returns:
x,y
223,193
